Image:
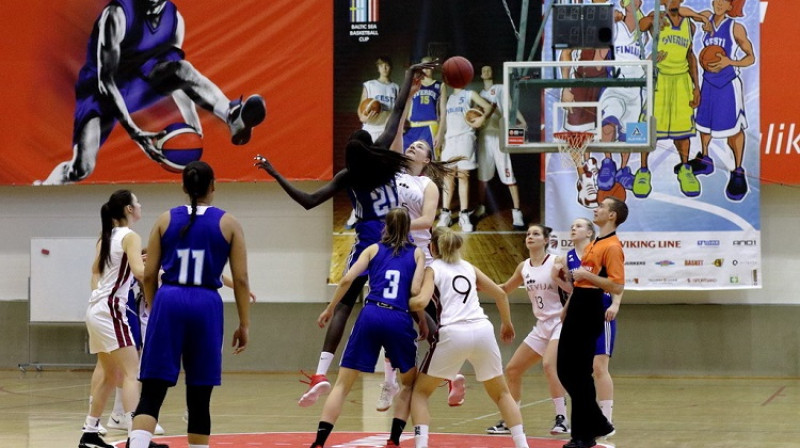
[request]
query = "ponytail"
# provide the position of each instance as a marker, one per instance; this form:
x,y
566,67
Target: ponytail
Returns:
x,y
197,179
111,210
448,244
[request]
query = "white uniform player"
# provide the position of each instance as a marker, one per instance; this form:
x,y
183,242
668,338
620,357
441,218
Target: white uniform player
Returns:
x,y
106,320
386,94
411,190
546,301
459,136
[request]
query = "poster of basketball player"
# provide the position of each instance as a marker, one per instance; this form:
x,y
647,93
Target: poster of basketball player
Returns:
x,y
94,89
694,200
494,195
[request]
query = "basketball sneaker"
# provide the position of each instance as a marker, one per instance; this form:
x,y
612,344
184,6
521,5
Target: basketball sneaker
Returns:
x,y
464,222
444,218
624,177
117,421
244,116
517,221
700,164
317,385
499,428
688,182
59,176
561,426
641,183
737,185
458,389
150,445
93,440
100,429
606,174
587,186
388,391
351,221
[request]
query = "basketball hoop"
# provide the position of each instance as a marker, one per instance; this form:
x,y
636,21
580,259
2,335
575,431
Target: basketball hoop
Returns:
x,y
572,146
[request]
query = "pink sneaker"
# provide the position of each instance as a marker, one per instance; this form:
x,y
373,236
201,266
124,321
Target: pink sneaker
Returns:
x,y
317,385
458,389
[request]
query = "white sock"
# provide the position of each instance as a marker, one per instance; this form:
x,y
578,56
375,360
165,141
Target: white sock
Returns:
x,y
389,374
91,424
607,406
139,438
91,399
517,435
325,359
118,409
421,436
561,405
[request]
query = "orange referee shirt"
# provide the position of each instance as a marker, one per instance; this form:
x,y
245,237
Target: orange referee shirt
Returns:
x,y
604,257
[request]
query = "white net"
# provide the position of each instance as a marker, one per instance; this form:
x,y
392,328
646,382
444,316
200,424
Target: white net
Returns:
x,y
572,146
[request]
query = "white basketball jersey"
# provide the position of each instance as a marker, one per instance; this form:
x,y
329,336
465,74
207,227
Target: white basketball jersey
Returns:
x,y
457,107
494,95
386,94
411,190
456,291
627,48
542,289
116,278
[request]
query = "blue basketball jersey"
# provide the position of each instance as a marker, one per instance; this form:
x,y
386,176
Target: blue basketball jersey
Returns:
x,y
374,204
390,276
424,103
722,36
198,258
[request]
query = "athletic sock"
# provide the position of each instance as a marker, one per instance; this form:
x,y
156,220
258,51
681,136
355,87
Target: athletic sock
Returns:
x,y
421,436
389,374
325,359
561,405
607,406
140,438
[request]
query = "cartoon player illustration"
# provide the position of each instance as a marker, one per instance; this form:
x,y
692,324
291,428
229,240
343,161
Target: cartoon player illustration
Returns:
x,y
134,59
721,113
677,94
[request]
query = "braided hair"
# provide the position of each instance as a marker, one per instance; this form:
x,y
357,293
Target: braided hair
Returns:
x,y
197,178
111,210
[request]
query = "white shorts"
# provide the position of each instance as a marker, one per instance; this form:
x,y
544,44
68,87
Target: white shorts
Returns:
x,y
621,106
462,145
541,335
375,130
108,326
491,156
472,341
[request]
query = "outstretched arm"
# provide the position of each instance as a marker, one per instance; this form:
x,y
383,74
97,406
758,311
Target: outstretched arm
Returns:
x,y
307,200
393,123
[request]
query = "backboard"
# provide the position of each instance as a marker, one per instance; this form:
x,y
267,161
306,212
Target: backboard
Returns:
x,y
581,92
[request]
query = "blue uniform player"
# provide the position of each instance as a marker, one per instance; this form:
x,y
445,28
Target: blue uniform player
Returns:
x,y
395,267
134,59
369,179
192,244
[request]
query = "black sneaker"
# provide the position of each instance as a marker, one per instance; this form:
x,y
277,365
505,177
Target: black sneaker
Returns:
x,y
700,165
561,426
737,185
499,428
244,116
93,440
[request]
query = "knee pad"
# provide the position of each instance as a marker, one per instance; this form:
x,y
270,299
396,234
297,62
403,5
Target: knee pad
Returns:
x,y
153,393
198,399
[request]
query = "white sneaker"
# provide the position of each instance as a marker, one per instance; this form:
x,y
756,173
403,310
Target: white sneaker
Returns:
x,y
388,391
464,222
587,184
444,219
351,221
517,221
561,426
100,429
117,421
159,430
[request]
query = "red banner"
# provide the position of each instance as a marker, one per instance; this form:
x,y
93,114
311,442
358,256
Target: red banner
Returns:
x,y
280,49
780,98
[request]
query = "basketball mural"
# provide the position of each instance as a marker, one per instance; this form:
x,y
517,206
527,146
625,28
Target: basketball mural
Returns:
x,y
694,218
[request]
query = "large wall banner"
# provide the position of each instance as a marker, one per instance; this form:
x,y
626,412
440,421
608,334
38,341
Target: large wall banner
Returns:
x,y
88,84
694,223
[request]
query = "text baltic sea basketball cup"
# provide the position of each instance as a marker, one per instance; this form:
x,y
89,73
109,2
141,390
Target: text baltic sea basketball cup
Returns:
x,y
180,144
457,72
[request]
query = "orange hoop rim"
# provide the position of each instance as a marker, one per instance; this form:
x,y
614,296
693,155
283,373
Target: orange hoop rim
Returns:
x,y
573,138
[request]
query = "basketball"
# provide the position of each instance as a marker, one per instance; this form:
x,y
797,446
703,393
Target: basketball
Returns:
x,y
180,144
369,105
710,54
457,72
618,191
471,115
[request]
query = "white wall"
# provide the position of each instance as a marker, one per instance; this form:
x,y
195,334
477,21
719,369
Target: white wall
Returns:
x,y
289,247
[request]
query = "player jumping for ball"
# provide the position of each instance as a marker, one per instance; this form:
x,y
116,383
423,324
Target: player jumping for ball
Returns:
x,y
134,59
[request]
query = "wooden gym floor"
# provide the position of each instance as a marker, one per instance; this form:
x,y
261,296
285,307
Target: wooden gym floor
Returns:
x,y
47,409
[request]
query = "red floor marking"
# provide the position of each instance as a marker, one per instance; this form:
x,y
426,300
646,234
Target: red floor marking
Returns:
x,y
356,440
776,394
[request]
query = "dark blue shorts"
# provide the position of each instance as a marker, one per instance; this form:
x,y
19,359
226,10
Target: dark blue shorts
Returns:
x,y
378,327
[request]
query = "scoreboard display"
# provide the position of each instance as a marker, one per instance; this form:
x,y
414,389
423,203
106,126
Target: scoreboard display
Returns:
x,y
588,25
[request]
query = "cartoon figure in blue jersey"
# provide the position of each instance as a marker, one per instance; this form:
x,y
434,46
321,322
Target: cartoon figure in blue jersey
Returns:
x,y
134,59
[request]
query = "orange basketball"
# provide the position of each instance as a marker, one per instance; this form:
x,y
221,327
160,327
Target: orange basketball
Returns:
x,y
618,191
457,72
709,54
369,105
471,115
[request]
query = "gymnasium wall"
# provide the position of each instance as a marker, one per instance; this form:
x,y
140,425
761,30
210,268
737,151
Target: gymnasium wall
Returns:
x,y
748,332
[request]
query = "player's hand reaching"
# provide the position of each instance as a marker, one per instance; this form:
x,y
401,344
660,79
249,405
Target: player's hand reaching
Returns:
x,y
425,65
264,164
146,141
